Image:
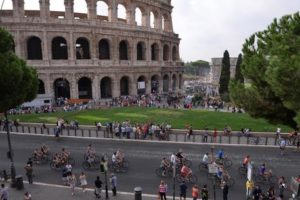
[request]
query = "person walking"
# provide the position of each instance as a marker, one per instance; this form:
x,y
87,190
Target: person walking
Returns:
x,y
83,181
282,145
225,190
215,135
183,188
162,190
113,182
195,192
249,188
29,173
98,186
72,182
3,192
204,193
27,196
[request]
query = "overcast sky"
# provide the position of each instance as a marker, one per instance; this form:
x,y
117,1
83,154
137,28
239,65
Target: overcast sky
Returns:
x,y
208,27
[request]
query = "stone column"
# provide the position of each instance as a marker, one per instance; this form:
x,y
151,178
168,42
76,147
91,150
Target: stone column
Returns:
x,y
161,83
113,12
148,85
18,8
115,88
170,23
130,15
96,88
170,82
69,7
17,41
92,9
48,89
71,47
46,54
146,19
115,50
133,89
44,9
74,87
158,22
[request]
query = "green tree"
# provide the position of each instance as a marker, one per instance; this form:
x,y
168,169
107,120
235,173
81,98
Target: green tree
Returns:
x,y
271,65
18,84
225,77
238,74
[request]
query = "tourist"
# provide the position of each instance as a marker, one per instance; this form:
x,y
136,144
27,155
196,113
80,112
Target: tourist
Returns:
x,y
183,188
204,193
162,190
27,196
3,192
98,186
83,181
29,173
113,182
195,192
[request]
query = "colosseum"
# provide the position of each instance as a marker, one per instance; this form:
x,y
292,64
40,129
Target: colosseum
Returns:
x,y
98,56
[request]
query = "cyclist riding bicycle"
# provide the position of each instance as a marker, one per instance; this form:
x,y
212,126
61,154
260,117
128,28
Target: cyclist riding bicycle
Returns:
x,y
119,156
220,154
205,159
185,171
263,171
37,154
173,159
179,156
246,161
44,150
90,154
164,165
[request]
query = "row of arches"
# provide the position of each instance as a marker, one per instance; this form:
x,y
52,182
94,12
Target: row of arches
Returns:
x,y
61,86
136,13
59,49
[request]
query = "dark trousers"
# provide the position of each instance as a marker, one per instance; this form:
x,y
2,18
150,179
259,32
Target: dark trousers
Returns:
x,y
163,196
205,138
30,181
225,197
114,191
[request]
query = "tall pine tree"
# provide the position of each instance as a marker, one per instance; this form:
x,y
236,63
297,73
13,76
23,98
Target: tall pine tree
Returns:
x,y
225,77
238,73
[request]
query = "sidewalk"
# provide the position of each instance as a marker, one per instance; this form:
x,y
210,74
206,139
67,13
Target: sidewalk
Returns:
x,y
44,191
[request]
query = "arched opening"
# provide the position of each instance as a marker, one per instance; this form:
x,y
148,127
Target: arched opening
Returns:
x,y
155,84
41,87
57,5
174,82
31,5
138,16
174,54
104,50
124,86
122,13
34,48
59,49
141,85
154,52
80,9
141,51
166,53
82,48
166,83
180,81
123,50
106,88
152,20
85,88
102,10
61,88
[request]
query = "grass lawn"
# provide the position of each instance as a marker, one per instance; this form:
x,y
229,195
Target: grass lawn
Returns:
x,y
177,118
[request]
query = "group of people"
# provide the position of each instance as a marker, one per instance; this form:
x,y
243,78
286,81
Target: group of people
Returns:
x,y
61,158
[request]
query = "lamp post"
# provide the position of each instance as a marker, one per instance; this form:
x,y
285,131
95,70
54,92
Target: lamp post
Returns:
x,y
103,169
174,174
212,160
10,153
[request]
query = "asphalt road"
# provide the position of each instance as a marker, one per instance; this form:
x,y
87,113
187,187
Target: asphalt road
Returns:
x,y
144,158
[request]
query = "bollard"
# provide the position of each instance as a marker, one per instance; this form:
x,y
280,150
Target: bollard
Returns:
x,y
138,193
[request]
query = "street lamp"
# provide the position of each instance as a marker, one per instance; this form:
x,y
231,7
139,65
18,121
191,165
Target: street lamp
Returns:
x,y
103,169
174,174
212,160
10,153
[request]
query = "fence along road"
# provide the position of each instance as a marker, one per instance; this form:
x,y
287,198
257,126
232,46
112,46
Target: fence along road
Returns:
x,y
174,135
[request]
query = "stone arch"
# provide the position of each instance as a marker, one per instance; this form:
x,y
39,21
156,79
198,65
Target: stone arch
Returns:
x,y
125,86
141,51
106,87
59,48
180,81
174,82
154,17
8,5
166,83
82,48
80,9
138,16
61,88
141,85
102,10
85,88
166,53
122,12
31,5
104,49
155,84
124,50
174,53
154,52
34,48
59,5
41,89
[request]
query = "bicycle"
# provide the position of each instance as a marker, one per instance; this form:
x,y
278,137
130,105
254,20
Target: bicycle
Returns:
x,y
118,167
189,179
216,180
60,165
243,170
91,165
44,159
270,179
255,140
203,167
168,172
226,162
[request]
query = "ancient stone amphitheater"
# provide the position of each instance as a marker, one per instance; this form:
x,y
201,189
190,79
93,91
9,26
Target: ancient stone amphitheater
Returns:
x,y
93,56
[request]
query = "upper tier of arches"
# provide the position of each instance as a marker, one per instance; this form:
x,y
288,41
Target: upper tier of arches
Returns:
x,y
153,14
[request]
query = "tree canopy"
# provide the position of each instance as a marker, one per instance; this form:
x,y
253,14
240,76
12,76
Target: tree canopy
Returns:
x,y
225,77
18,82
238,73
271,67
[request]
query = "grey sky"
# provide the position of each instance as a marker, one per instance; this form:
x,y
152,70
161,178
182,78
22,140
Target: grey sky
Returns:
x,y
208,27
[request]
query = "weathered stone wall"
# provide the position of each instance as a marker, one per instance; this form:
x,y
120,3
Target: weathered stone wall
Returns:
x,y
46,25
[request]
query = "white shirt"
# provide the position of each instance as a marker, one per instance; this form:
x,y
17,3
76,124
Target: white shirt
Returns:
x,y
113,158
173,159
205,158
